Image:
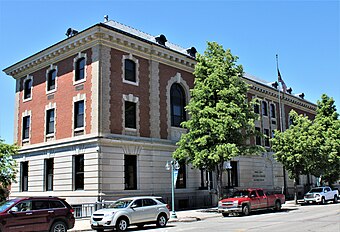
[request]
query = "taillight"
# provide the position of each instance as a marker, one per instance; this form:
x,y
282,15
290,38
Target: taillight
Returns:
x,y
72,211
168,206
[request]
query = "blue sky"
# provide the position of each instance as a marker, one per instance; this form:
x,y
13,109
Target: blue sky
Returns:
x,y
305,34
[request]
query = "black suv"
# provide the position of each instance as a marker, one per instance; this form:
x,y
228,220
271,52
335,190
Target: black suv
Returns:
x,y
36,214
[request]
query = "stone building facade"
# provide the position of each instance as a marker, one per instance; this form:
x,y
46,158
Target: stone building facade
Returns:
x,y
97,117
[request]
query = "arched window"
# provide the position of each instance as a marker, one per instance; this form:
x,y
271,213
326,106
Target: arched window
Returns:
x,y
177,102
27,88
80,69
130,70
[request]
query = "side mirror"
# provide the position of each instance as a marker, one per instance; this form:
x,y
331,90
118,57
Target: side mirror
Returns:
x,y
13,209
133,206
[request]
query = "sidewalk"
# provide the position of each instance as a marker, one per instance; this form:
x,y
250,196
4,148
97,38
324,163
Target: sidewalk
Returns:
x,y
182,216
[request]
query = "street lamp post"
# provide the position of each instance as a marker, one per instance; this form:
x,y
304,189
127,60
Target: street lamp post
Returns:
x,y
172,165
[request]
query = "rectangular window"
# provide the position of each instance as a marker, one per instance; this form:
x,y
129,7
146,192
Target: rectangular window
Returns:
x,y
79,114
272,111
130,70
49,174
80,69
130,114
234,173
182,177
264,108
130,171
50,121
267,136
28,88
78,172
51,80
257,108
24,176
206,179
26,127
258,138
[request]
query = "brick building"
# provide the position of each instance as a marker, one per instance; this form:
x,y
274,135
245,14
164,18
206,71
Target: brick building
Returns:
x,y
97,117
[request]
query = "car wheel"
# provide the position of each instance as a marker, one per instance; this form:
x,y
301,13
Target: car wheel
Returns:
x,y
225,214
245,210
335,200
58,227
122,224
161,220
277,206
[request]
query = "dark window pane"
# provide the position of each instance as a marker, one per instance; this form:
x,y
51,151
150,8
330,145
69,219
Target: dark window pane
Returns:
x,y
40,204
149,202
130,70
79,114
24,176
56,204
264,108
49,174
26,127
130,115
258,138
234,173
78,172
80,69
182,177
177,101
51,80
266,139
27,88
130,170
50,121
272,111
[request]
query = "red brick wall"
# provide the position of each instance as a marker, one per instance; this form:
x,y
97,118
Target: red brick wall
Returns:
x,y
63,97
118,88
165,74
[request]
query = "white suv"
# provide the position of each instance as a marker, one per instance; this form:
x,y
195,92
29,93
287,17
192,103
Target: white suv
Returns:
x,y
131,211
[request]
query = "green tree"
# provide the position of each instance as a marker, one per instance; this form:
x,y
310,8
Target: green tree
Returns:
x,y
221,119
326,141
293,147
7,166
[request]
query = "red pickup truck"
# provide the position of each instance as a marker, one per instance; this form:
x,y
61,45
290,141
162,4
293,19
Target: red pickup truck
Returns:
x,y
247,200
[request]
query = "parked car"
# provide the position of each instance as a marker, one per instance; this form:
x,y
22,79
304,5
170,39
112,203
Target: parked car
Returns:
x,y
321,195
131,211
247,200
36,214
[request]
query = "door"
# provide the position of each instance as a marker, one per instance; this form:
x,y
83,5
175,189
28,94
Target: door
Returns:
x,y
42,214
150,209
20,217
254,200
262,199
137,211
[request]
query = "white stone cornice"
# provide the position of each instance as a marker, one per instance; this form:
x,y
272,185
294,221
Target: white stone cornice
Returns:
x,y
92,36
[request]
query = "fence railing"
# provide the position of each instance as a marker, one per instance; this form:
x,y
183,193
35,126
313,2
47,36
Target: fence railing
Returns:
x,y
86,209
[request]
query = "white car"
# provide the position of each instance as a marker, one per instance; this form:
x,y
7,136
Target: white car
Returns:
x,y
131,211
321,195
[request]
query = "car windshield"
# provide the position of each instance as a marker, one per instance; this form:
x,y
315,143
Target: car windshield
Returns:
x,y
5,204
120,204
316,190
243,193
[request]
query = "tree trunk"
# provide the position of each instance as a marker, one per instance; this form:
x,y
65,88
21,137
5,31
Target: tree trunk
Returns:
x,y
219,170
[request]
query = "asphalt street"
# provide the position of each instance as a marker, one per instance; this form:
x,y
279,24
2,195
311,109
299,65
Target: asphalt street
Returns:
x,y
309,218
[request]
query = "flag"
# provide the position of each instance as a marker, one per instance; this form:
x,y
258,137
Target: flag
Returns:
x,y
280,80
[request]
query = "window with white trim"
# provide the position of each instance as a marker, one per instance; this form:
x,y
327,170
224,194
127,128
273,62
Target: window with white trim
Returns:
x,y
26,123
28,82
79,112
51,80
50,119
130,70
79,66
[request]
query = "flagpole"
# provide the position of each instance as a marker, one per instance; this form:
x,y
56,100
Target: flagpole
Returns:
x,y
281,125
